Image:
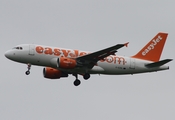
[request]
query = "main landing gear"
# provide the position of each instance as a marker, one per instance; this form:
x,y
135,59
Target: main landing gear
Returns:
x,y
86,76
28,67
77,82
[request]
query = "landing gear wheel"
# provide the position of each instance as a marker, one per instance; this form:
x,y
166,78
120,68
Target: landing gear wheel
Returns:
x,y
28,67
77,82
27,72
86,76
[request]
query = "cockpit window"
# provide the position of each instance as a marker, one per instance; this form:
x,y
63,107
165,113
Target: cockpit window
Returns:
x,y
19,48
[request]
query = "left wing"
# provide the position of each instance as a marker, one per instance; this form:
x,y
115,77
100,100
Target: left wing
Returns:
x,y
91,59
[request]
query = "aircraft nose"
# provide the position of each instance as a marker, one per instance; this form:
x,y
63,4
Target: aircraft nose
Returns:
x,y
8,54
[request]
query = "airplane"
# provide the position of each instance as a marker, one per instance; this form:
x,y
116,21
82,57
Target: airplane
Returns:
x,y
61,62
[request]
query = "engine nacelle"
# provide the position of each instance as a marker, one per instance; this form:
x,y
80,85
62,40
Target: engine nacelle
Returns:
x,y
52,73
66,63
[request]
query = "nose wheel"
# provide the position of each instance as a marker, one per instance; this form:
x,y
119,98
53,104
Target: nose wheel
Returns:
x,y
28,67
27,72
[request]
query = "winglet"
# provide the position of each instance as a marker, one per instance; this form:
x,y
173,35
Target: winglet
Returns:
x,y
126,44
153,50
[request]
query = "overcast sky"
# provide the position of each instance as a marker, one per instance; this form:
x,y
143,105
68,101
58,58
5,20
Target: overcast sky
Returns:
x,y
86,25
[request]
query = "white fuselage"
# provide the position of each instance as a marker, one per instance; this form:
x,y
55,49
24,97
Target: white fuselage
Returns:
x,y
45,56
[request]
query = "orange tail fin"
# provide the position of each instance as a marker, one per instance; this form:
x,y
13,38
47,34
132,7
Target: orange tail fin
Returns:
x,y
153,50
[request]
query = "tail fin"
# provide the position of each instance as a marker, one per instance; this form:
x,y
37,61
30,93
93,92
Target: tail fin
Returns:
x,y
153,50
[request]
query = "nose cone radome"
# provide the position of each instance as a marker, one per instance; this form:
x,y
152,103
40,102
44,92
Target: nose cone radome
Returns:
x,y
8,54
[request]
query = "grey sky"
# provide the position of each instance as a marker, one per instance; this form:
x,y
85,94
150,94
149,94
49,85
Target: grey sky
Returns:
x,y
86,25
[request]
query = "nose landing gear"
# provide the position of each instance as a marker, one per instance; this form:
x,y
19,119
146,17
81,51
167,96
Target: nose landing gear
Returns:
x,y
28,67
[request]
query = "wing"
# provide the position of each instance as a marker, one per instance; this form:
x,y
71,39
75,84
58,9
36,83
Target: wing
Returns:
x,y
91,59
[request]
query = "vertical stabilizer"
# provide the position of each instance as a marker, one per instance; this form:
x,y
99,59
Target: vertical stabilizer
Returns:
x,y
153,50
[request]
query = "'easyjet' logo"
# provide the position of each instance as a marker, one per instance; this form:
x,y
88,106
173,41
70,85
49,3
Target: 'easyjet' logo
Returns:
x,y
59,52
152,45
76,53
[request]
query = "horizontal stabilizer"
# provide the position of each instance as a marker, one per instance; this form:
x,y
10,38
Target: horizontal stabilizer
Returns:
x,y
159,63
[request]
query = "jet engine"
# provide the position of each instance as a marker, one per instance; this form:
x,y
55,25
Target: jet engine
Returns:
x,y
66,63
52,73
